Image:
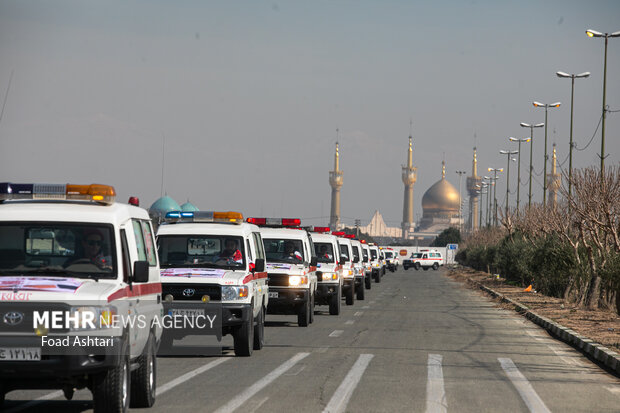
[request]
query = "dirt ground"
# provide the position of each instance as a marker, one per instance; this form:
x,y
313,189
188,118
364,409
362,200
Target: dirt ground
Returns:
x,y
598,325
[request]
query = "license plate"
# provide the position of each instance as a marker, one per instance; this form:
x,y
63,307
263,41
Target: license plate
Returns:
x,y
20,354
273,295
191,313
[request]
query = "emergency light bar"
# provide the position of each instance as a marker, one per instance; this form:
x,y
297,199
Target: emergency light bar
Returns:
x,y
103,194
321,229
363,241
275,222
205,216
350,236
339,233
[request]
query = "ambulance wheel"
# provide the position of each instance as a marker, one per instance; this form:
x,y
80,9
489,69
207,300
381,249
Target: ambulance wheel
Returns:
x,y
377,277
259,330
312,310
144,379
360,292
416,266
334,303
303,317
435,266
367,282
244,339
425,268
350,299
111,389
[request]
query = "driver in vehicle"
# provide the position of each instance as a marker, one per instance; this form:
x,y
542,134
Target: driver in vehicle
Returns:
x,y
92,246
290,253
231,252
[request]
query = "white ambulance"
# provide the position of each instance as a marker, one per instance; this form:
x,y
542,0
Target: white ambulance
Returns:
x,y
367,266
359,271
291,267
347,271
80,294
375,262
213,268
329,286
425,259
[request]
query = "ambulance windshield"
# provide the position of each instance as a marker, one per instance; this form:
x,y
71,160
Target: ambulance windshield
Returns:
x,y
201,251
58,249
284,250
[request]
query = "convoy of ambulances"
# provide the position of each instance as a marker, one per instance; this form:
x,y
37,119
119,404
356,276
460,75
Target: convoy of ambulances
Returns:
x,y
424,259
359,270
80,294
329,286
367,266
346,259
375,263
213,270
291,266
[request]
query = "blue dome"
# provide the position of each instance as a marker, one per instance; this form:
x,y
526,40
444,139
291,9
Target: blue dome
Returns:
x,y
189,207
163,205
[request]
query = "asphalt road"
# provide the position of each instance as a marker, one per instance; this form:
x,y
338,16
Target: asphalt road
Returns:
x,y
419,342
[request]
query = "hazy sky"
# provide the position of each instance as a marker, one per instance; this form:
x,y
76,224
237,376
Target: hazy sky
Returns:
x,y
248,95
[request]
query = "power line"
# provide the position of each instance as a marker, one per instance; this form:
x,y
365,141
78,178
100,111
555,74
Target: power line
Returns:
x,y
592,138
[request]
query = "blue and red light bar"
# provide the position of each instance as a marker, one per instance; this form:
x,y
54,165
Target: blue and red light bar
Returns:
x,y
103,194
275,222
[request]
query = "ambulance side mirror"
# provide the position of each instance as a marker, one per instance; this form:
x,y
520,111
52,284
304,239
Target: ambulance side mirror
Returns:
x,y
140,271
259,265
313,261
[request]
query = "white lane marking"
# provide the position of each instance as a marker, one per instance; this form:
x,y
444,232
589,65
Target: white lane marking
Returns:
x,y
336,333
358,313
528,394
49,396
366,307
190,375
340,399
612,389
296,371
238,401
435,393
258,405
349,322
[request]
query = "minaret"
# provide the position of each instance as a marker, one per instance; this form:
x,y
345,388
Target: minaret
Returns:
x,y
409,178
554,180
335,181
472,189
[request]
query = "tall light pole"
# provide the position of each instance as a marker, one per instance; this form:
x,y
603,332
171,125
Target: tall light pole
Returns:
x,y
594,33
509,154
532,126
460,173
525,140
495,171
482,190
490,179
570,149
546,106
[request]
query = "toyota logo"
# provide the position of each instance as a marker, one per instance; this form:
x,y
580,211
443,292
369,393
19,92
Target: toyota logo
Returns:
x,y
13,318
188,292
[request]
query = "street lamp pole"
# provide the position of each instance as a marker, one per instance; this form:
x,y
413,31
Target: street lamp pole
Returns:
x,y
594,33
532,126
495,171
546,106
509,154
570,150
519,168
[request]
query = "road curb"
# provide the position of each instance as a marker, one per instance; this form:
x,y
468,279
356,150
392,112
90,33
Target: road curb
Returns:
x,y
601,354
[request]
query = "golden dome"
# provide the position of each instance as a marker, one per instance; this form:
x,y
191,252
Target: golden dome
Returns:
x,y
441,198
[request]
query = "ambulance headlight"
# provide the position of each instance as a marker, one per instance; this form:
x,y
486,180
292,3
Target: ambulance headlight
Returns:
x,y
295,280
90,318
231,293
329,276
